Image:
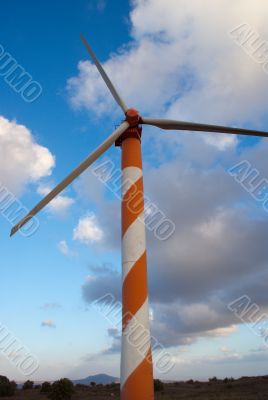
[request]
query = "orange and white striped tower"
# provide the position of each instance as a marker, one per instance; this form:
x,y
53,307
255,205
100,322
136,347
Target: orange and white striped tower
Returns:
x,y
136,355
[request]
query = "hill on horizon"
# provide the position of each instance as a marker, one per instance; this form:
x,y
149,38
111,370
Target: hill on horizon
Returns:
x,y
99,378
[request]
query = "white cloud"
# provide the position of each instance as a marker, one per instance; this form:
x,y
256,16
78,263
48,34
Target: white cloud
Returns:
x,y
213,229
88,230
22,160
48,323
183,65
221,141
225,331
60,204
64,248
225,350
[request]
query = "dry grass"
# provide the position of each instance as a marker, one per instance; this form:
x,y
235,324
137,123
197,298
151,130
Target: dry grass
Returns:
x,y
242,389
248,389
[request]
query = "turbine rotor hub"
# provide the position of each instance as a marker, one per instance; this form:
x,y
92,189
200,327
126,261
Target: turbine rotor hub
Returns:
x,y
132,116
134,130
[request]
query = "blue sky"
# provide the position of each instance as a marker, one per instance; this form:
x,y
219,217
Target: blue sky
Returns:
x,y
168,63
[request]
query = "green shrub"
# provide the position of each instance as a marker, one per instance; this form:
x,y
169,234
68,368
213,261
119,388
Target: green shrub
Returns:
x,y
28,385
228,380
214,379
61,390
46,387
7,388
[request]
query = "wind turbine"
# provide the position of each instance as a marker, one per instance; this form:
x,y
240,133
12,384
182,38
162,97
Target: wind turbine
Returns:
x,y
136,366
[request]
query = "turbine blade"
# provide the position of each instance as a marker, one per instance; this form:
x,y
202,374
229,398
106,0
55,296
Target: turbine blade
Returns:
x,y
74,174
191,126
105,77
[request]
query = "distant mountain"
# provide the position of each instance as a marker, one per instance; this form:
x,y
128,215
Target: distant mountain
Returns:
x,y
100,378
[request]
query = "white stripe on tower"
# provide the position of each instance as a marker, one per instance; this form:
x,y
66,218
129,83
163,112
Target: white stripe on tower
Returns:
x,y
130,176
130,254
137,335
136,362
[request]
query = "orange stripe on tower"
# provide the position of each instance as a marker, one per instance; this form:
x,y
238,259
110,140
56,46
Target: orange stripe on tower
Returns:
x,y
136,357
132,204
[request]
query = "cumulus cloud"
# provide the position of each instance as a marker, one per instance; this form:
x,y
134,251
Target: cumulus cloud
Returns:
x,y
88,230
101,197
115,347
48,324
175,65
22,160
103,279
65,249
185,65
